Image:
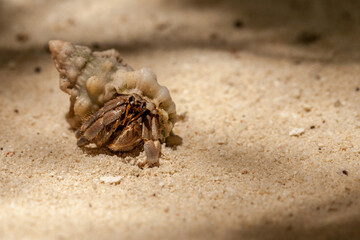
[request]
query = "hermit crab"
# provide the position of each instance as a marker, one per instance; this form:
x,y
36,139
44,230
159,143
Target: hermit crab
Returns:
x,y
111,104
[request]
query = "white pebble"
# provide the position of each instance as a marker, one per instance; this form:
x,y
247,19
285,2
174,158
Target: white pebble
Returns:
x,y
111,180
296,131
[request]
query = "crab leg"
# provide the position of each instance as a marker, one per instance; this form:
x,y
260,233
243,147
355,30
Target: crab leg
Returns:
x,y
150,134
107,107
146,128
155,128
99,132
152,151
129,138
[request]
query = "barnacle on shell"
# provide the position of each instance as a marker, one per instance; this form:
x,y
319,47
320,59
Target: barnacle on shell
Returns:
x,y
94,78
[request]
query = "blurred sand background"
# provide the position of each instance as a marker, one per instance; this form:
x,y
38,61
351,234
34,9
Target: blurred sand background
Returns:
x,y
243,74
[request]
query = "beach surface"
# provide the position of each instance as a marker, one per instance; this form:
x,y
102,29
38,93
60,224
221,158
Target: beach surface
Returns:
x,y
268,101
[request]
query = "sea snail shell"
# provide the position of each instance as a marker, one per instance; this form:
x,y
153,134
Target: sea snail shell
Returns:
x,y
93,78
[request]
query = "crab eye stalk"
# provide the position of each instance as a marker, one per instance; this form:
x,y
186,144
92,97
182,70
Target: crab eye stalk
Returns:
x,y
112,105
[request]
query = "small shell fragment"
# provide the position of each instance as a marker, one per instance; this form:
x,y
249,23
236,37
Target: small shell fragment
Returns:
x,y
111,179
296,132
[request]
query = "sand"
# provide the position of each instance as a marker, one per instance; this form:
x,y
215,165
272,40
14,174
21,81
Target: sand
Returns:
x,y
268,95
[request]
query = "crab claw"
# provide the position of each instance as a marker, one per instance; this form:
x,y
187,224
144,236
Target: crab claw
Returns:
x,y
152,151
82,141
